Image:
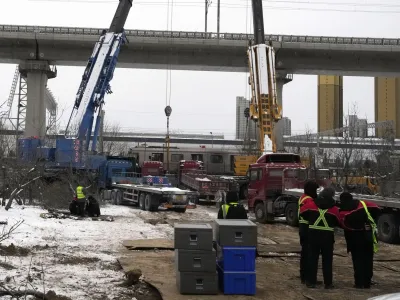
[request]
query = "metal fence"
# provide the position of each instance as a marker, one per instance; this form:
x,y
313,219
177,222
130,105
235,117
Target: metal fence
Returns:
x,y
204,35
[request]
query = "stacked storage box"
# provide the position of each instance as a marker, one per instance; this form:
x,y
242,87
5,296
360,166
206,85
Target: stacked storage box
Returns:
x,y
195,259
236,256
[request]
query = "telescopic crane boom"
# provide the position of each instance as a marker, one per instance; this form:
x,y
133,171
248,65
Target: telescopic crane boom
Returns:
x,y
96,79
264,108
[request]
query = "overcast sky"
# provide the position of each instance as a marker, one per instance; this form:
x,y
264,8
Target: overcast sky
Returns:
x,y
205,101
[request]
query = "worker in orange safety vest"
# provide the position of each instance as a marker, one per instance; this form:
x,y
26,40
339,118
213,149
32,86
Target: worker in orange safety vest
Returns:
x,y
310,193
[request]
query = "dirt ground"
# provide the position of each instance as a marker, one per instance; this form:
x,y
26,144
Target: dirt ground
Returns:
x,y
277,272
80,260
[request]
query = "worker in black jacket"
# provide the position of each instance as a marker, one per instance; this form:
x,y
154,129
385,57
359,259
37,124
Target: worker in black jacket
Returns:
x,y
231,209
310,194
359,223
322,216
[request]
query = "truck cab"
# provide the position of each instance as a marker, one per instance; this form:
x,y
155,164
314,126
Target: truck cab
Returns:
x,y
153,168
266,182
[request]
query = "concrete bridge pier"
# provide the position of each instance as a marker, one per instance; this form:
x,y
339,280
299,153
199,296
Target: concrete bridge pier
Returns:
x,y
281,80
36,73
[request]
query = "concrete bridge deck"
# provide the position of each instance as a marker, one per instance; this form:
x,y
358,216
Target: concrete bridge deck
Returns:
x,y
149,49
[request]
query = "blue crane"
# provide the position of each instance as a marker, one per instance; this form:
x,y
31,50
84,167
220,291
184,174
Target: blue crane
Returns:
x,y
74,148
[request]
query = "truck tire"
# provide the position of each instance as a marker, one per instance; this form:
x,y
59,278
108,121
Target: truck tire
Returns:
x,y
113,197
118,197
141,201
151,202
243,192
260,213
291,214
388,228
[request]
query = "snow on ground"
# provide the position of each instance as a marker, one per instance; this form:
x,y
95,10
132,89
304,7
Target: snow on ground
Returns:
x,y
77,257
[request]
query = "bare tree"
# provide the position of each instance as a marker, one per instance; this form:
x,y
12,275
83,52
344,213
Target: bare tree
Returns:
x,y
114,147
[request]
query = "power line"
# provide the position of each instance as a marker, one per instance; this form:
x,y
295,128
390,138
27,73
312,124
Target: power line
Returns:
x,y
269,7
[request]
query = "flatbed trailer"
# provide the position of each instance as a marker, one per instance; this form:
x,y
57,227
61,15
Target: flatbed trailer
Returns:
x,y
149,193
241,181
388,223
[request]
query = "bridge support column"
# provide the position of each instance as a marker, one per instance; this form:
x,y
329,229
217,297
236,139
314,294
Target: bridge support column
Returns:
x,y
36,73
330,102
279,128
387,103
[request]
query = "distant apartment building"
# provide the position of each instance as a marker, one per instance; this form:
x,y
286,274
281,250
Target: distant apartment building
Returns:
x,y
286,126
358,127
241,121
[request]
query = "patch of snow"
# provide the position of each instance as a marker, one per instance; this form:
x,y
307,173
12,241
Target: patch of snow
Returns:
x,y
99,241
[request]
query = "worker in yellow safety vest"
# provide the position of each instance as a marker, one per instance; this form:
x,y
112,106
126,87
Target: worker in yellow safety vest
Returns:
x,y
81,200
231,209
358,221
310,193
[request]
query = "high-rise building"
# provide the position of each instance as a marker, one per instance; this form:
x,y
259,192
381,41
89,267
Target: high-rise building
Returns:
x,y
241,121
330,102
387,103
286,126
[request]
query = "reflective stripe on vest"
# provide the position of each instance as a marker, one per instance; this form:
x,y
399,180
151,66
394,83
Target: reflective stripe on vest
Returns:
x,y
301,200
225,208
321,218
79,192
373,225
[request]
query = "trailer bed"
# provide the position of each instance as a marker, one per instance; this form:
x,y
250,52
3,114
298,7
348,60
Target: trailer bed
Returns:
x,y
153,189
386,202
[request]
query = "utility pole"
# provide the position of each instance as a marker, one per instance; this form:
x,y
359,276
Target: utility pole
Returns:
x,y
207,3
218,15
168,111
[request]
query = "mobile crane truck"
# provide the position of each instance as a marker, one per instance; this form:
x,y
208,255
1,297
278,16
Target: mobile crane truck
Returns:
x,y
72,151
264,108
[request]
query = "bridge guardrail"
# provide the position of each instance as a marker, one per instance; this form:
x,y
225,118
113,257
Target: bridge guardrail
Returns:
x,y
204,35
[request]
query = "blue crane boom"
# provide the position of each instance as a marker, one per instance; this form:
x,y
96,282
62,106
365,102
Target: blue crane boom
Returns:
x,y
96,80
74,148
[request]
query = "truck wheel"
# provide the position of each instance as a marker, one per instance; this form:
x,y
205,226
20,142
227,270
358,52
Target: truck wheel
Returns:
x,y
243,192
260,213
141,201
118,197
388,228
150,203
113,197
291,214
180,210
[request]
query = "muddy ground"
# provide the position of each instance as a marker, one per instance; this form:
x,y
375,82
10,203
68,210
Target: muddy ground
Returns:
x,y
278,277
277,273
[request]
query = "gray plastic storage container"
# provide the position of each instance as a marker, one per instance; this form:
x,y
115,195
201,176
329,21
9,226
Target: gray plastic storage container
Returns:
x,y
195,260
232,233
197,283
193,236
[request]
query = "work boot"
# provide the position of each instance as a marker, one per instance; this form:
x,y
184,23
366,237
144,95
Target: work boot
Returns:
x,y
329,286
311,285
358,286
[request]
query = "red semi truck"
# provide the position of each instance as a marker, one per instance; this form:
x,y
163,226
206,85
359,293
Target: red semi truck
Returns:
x,y
270,177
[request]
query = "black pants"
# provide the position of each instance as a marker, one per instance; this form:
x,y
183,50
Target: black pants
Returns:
x,y
326,250
362,256
81,208
303,257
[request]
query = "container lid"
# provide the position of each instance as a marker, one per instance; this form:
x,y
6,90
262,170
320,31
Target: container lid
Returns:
x,y
232,222
192,226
